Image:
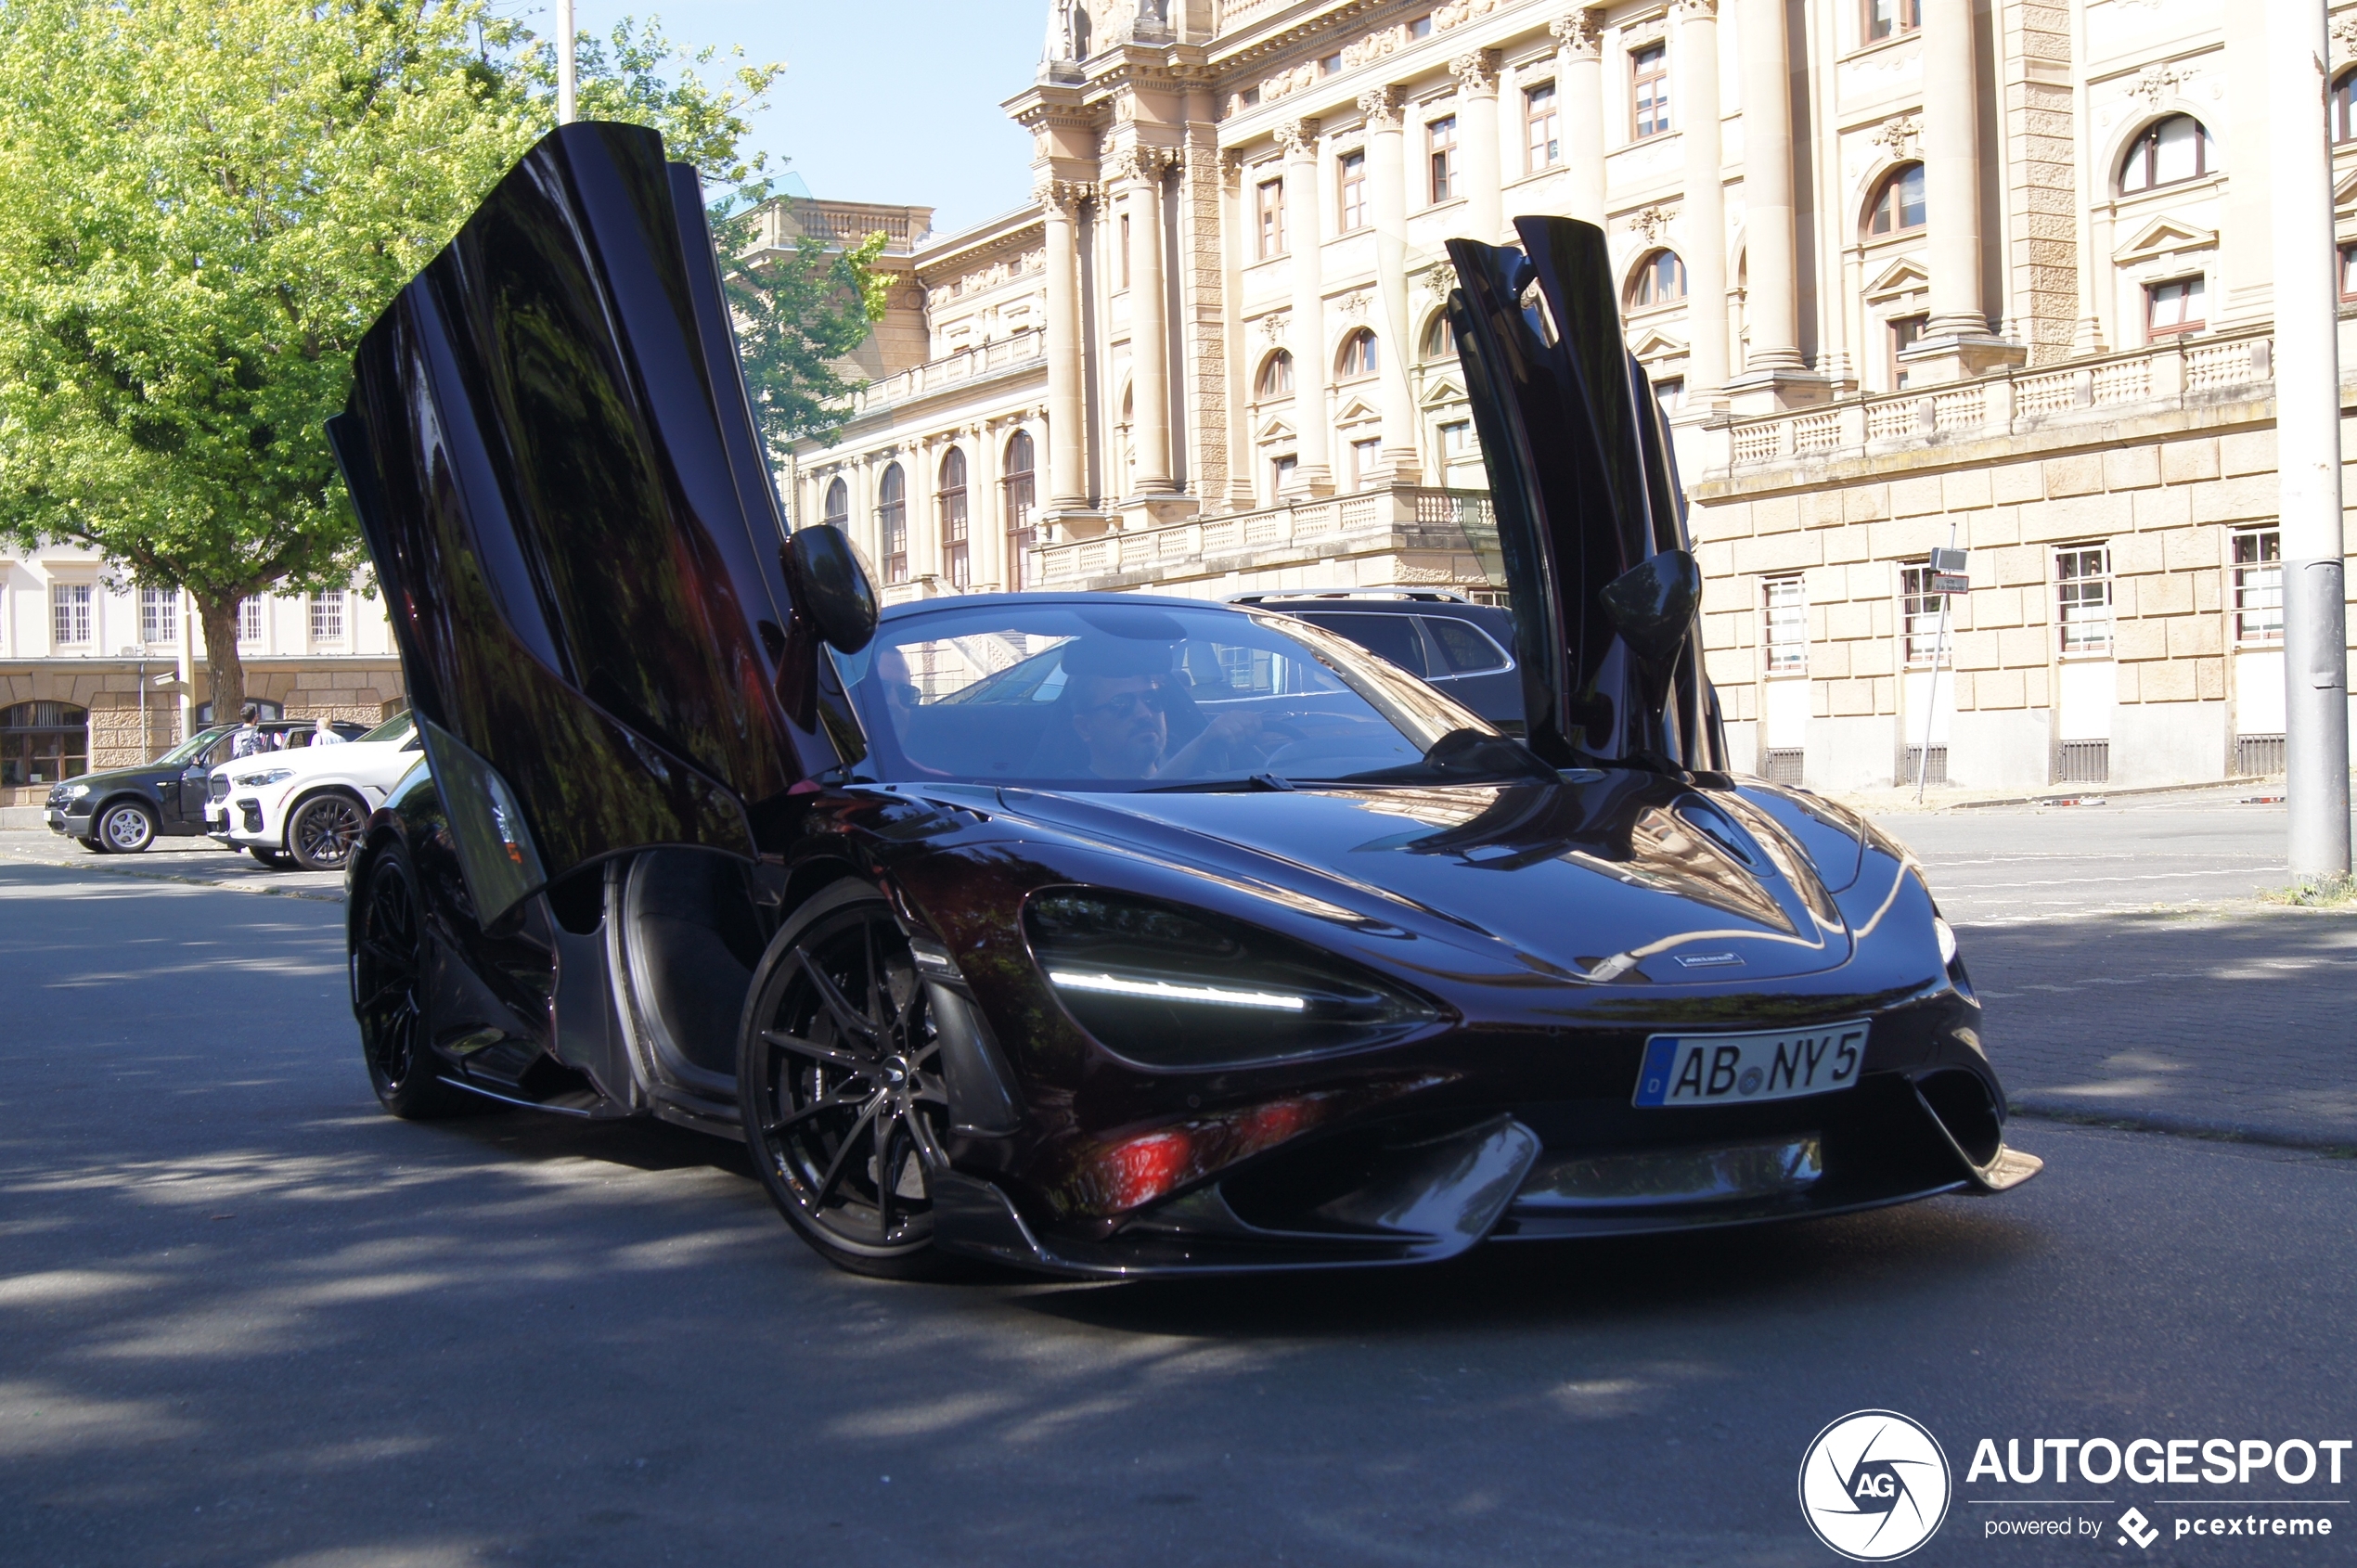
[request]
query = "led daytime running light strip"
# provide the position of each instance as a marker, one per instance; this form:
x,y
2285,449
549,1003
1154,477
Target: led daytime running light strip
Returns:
x,y
1164,990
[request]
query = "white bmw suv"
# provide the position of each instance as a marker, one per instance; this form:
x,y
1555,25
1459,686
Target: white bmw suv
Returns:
x,y
309,805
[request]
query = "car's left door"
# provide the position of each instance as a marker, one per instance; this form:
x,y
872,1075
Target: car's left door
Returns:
x,y
558,471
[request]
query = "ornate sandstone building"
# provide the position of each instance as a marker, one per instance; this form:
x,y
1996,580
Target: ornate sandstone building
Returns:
x,y
1907,274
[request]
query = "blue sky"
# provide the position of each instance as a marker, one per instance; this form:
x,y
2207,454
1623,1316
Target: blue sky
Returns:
x,y
886,100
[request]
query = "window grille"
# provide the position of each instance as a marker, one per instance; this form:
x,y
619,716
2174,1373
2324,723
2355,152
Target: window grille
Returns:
x,y
1787,626
1911,765
2259,587
249,619
1649,90
327,617
2257,756
2082,762
2082,597
1440,143
69,614
158,616
1918,615
1781,764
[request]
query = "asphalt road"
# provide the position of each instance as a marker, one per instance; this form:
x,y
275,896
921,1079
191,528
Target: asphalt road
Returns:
x,y
245,1318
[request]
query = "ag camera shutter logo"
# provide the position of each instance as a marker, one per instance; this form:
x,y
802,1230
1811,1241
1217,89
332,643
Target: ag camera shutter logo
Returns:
x,y
1874,1485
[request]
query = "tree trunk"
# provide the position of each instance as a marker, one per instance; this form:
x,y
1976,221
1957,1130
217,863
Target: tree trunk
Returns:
x,y
225,671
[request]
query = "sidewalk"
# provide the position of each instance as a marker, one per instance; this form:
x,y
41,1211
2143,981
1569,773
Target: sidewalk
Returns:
x,y
199,862
2233,1022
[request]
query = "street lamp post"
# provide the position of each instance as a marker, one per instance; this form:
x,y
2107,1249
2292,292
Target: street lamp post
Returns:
x,y
2308,444
564,62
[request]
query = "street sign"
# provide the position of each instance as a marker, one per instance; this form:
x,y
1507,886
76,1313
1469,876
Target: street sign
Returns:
x,y
1951,583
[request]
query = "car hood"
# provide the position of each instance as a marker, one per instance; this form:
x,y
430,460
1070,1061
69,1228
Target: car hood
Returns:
x,y
1618,876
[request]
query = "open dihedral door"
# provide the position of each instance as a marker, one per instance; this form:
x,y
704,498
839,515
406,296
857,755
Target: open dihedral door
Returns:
x,y
559,475
1590,519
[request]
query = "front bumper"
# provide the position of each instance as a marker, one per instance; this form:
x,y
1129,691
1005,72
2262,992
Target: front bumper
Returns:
x,y
64,821
241,821
1412,1193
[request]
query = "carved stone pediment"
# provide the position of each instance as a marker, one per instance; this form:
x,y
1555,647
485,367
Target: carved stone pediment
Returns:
x,y
2163,237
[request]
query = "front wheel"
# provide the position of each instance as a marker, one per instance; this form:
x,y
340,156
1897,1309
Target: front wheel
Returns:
x,y
390,996
321,832
125,828
839,1082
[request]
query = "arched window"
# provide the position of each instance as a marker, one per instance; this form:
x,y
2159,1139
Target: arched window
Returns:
x,y
1276,376
1440,338
2344,107
1898,202
838,508
892,523
1358,356
1660,279
1022,494
43,742
2169,150
951,502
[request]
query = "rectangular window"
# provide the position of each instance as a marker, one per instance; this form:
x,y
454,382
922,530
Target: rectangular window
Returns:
x,y
1125,250
1671,393
1419,27
2348,272
1281,472
1456,440
1269,202
2174,307
1440,147
1353,184
249,619
1366,460
1649,90
1888,19
69,614
1330,66
158,616
1786,641
327,617
1540,122
1918,615
1906,331
2259,587
2082,597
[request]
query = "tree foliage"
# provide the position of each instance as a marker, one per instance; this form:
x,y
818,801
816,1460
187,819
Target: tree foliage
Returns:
x,y
203,205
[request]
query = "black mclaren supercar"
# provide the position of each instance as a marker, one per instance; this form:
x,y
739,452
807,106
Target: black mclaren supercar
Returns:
x,y
1094,934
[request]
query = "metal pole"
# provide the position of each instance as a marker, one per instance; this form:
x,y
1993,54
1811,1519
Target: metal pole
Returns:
x,y
1931,702
2308,443
565,63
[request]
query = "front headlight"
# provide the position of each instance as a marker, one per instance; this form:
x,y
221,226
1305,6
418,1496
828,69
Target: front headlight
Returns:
x,y
1174,987
268,776
1947,937
77,792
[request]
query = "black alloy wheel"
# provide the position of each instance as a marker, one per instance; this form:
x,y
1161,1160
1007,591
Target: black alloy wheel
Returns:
x,y
389,998
125,828
839,1080
321,832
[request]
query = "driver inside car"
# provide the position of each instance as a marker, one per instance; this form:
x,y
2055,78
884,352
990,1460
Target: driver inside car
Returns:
x,y
1120,699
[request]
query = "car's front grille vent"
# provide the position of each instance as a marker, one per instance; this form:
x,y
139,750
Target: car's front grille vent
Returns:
x,y
253,814
220,789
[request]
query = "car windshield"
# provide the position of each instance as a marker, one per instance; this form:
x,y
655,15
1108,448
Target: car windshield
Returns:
x,y
395,729
1115,694
189,750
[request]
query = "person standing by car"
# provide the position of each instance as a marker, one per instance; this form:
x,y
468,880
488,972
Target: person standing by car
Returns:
x,y
324,733
248,737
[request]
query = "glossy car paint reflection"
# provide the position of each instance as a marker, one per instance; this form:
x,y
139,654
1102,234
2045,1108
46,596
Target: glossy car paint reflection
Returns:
x,y
650,762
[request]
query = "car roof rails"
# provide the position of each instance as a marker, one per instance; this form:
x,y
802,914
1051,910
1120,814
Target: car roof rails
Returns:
x,y
1411,596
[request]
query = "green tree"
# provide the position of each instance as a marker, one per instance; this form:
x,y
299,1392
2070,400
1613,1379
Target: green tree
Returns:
x,y
799,312
203,204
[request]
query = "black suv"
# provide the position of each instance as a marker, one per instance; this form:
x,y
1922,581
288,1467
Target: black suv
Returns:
x,y
123,810
1464,648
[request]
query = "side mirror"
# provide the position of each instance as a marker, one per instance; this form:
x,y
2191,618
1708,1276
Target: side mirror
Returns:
x,y
1651,605
831,585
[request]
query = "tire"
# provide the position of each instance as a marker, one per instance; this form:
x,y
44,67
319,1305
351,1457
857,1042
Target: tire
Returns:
x,y
276,860
123,827
323,830
93,845
390,998
841,1087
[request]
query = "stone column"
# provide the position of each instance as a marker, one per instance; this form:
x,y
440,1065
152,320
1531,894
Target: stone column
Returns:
x,y
1387,175
1067,486
1149,322
1952,172
1477,74
2095,265
1579,99
1767,65
1703,222
1313,465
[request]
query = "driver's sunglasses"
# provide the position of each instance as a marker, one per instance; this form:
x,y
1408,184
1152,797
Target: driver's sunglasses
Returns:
x,y
1154,698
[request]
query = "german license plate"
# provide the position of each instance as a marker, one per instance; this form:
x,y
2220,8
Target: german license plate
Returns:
x,y
1743,1069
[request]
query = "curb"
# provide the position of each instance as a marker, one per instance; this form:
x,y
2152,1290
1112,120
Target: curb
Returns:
x,y
311,895
2272,1135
